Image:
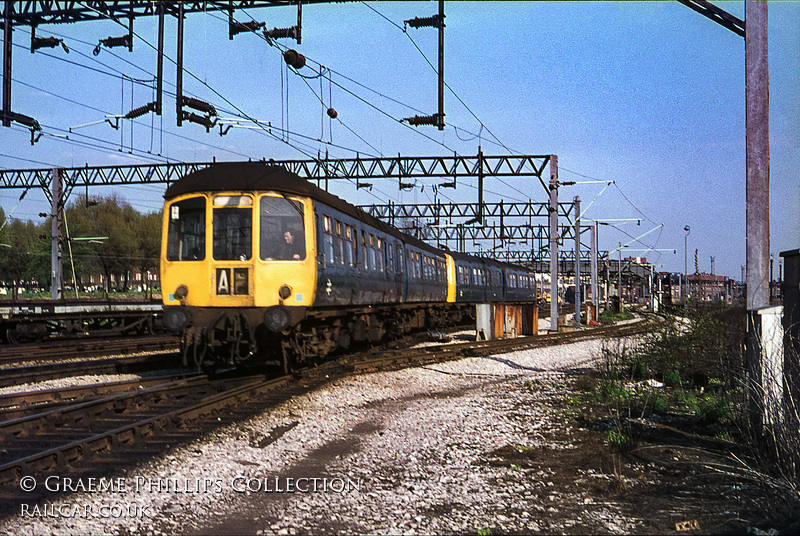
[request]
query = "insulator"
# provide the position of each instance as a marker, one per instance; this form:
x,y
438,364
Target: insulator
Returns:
x,y
41,42
278,33
239,27
111,42
424,22
140,111
29,122
418,120
294,58
199,105
200,120
333,114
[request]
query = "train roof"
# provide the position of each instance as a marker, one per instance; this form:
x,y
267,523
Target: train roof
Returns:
x,y
466,257
241,176
260,176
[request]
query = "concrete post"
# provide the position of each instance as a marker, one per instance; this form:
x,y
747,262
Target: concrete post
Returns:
x,y
757,110
595,288
757,156
553,221
578,297
57,217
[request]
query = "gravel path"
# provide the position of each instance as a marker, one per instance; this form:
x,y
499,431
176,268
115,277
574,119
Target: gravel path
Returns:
x,y
417,451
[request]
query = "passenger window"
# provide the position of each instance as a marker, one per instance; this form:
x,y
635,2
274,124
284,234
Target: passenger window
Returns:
x,y
327,239
389,258
349,246
399,259
338,252
364,253
371,253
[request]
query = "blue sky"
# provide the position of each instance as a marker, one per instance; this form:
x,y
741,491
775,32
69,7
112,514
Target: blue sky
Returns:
x,y
649,95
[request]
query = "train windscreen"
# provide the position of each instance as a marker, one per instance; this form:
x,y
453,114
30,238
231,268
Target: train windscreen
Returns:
x,y
282,229
233,228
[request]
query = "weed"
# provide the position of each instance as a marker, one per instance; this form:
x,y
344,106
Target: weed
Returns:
x,y
614,391
660,403
619,438
573,401
533,385
687,399
712,409
525,448
672,378
723,435
484,532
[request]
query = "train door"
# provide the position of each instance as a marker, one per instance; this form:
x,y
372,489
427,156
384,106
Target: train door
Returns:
x,y
232,250
335,278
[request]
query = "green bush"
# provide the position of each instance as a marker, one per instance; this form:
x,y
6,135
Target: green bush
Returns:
x,y
712,409
660,403
706,344
672,379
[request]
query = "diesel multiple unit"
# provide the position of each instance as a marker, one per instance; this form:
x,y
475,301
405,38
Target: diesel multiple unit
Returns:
x,y
257,262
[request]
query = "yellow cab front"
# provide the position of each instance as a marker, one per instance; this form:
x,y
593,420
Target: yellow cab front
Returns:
x,y
238,249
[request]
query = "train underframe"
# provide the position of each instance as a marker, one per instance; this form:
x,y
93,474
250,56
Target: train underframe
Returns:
x,y
36,328
231,337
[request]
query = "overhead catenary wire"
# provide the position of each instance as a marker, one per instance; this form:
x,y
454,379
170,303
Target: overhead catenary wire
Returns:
x,y
373,106
321,75
105,112
436,70
208,86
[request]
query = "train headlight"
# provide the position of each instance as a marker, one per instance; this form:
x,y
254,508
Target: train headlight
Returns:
x,y
284,292
176,318
276,318
181,292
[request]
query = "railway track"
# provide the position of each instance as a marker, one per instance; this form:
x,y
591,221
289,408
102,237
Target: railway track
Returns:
x,y
391,359
28,403
95,434
158,360
54,350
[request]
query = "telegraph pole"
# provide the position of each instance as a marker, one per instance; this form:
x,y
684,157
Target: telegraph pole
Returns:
x,y
757,110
